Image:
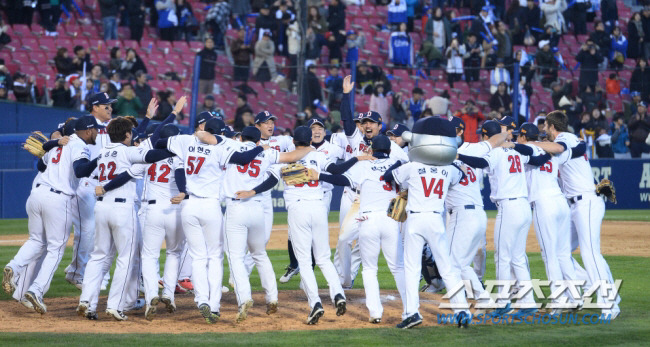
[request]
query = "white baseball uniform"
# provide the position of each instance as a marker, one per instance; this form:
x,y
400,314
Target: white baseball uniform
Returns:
x,y
280,143
587,212
509,192
201,213
116,228
245,229
427,186
466,219
377,231
334,153
307,218
49,215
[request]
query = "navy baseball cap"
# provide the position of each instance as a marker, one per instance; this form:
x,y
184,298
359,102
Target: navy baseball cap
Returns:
x,y
358,117
372,116
397,130
508,122
136,136
169,130
151,128
100,99
202,118
490,128
315,120
302,134
252,133
458,123
434,126
264,116
68,127
642,104
215,126
230,132
529,130
380,143
86,122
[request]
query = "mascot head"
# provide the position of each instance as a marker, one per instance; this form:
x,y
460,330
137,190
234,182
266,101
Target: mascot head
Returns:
x,y
432,141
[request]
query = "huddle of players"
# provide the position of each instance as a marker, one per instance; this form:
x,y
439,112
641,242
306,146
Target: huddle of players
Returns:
x,y
205,169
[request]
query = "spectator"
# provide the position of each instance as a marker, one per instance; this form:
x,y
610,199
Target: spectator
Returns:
x,y
586,123
283,16
74,86
316,22
504,40
19,12
455,53
334,85
603,40
294,46
50,13
265,22
645,19
552,36
379,101
167,19
603,144
116,59
264,50
208,104
354,43
314,94
400,47
579,16
472,116
410,13
620,137
114,86
558,91
128,104
630,108
336,16
639,127
591,97
609,14
242,109
136,11
640,80
613,85
206,70
547,63
81,56
108,10
397,13
530,17
397,112
314,44
142,89
635,36
24,89
4,92
60,94
618,51
187,23
414,105
63,62
5,75
247,119
218,18
501,100
166,102
600,119
472,58
552,10
589,57
132,64
241,54
240,10
481,24
334,43
428,57
499,75
438,30
95,79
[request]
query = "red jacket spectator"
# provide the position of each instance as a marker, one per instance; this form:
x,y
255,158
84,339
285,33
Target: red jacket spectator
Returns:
x,y
472,116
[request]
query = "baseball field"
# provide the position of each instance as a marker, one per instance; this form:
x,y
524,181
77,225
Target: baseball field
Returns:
x,y
625,242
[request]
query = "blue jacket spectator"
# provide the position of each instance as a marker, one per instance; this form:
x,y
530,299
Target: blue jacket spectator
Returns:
x,y
397,12
620,137
619,44
400,48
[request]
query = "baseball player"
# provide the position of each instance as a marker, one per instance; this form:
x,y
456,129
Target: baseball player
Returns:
x,y
395,135
201,213
587,208
49,227
377,231
427,186
359,140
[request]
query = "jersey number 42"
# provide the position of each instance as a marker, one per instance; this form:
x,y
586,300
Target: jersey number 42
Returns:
x,y
165,170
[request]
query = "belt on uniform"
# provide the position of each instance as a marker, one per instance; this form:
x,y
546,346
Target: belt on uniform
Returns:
x,y
465,207
413,212
101,198
51,189
513,198
575,199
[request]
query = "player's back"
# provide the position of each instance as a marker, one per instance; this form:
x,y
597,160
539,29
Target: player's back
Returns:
x,y
247,177
576,174
368,176
59,173
506,172
468,191
281,143
160,179
543,180
116,158
427,185
312,190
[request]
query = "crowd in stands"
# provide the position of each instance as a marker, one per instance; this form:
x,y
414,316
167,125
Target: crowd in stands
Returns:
x,y
412,58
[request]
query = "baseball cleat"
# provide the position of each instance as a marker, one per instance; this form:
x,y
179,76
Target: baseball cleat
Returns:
x,y
39,306
348,287
502,311
315,314
462,319
243,311
374,320
180,290
161,285
410,322
117,315
209,317
224,289
436,286
139,304
82,309
27,304
340,303
272,307
91,315
290,273
8,280
186,284
74,282
169,303
150,312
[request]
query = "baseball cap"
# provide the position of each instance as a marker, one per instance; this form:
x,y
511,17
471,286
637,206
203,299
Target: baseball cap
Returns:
x,y
397,130
458,123
169,130
315,120
543,43
230,132
358,117
264,116
136,136
215,126
434,126
380,143
100,99
642,104
485,8
508,121
151,128
634,93
209,97
490,128
202,118
252,133
86,122
302,134
529,130
371,115
68,128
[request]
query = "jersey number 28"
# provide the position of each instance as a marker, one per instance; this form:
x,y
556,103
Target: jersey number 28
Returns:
x,y
515,163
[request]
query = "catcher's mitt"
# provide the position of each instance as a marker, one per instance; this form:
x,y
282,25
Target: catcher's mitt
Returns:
x,y
294,174
34,144
606,188
397,208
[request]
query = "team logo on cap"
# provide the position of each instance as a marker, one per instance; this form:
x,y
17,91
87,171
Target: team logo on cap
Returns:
x,y
395,127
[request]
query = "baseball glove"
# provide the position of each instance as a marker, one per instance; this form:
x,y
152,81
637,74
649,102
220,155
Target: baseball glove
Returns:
x,y
606,188
34,144
294,174
397,208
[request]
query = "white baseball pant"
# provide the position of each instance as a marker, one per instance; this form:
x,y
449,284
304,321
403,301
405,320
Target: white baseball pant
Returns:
x,y
267,204
185,266
378,232
347,257
479,260
465,232
84,229
25,276
308,229
247,231
202,220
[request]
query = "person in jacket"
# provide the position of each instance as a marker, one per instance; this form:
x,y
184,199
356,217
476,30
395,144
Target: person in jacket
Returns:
x,y
620,137
108,10
455,53
397,111
618,49
499,75
314,95
63,62
552,10
438,30
640,79
241,53
589,58
136,11
315,21
548,66
167,19
400,47
127,103
472,58
186,20
264,50
410,13
609,14
379,102
639,127
207,68
336,16
218,18
132,64
501,100
635,36
240,10
472,116
396,13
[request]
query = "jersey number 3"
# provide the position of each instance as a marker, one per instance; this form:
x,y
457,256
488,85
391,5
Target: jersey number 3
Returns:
x,y
164,172
254,168
515,163
433,185
58,155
